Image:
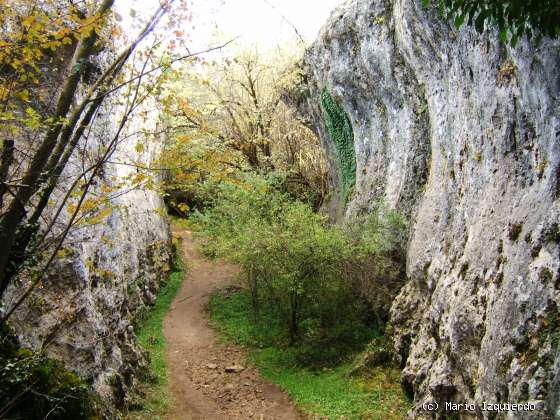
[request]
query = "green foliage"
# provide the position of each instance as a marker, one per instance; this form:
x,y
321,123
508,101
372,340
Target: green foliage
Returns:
x,y
288,253
302,273
341,134
32,386
328,392
150,336
230,115
513,18
233,315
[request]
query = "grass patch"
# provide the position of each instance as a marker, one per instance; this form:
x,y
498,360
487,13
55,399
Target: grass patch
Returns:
x,y
150,336
326,392
232,315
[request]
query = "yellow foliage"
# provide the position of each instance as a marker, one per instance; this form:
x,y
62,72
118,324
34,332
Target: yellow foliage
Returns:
x,y
161,212
63,252
100,216
30,30
183,207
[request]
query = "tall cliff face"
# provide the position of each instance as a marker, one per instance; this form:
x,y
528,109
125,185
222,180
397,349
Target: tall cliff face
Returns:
x,y
85,309
462,135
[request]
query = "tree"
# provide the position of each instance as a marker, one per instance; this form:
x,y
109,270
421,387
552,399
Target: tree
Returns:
x,y
238,110
47,50
514,17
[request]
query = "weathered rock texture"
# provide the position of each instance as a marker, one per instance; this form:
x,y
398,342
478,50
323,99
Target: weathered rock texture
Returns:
x,y
85,310
461,134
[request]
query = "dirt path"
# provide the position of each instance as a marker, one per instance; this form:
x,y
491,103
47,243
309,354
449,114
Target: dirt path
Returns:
x,y
197,361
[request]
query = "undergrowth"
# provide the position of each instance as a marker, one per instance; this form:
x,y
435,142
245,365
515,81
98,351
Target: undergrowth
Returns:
x,y
34,386
150,335
322,284
326,391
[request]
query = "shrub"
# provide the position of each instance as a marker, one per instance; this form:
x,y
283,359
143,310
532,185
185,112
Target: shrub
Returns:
x,y
32,386
303,273
513,17
376,266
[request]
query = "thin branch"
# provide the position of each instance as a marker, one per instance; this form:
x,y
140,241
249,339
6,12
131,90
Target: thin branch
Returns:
x,y
156,68
16,212
70,223
285,19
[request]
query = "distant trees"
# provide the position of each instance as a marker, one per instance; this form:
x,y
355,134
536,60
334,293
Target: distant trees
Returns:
x,y
235,110
514,18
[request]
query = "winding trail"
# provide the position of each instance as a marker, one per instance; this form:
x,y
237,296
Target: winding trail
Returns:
x,y
197,361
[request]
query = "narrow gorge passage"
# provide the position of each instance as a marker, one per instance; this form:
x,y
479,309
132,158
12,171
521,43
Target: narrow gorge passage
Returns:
x,y
197,361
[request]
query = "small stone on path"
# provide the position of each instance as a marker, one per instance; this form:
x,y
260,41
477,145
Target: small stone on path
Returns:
x,y
235,369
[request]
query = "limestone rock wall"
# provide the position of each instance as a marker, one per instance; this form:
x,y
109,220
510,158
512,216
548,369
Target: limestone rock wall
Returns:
x,y
462,135
86,308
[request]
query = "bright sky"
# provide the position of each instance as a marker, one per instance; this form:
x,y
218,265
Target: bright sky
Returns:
x,y
256,22
260,21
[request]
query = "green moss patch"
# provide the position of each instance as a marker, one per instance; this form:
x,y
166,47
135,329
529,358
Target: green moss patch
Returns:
x,y
341,134
33,386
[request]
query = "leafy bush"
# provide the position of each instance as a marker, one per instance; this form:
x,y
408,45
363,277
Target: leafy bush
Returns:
x,y
303,273
321,393
32,386
515,17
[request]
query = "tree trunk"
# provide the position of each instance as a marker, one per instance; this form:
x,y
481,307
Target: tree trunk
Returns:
x,y
6,160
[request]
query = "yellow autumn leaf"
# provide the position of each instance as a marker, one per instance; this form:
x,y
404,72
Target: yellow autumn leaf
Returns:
x,y
28,21
183,207
62,252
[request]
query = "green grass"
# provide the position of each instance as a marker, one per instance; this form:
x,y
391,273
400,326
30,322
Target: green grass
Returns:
x,y
231,314
150,336
327,392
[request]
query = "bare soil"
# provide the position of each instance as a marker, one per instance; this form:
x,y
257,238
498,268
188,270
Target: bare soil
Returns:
x,y
197,360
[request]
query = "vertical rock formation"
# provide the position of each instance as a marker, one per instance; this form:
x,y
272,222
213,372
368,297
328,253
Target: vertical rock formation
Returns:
x,y
85,309
461,134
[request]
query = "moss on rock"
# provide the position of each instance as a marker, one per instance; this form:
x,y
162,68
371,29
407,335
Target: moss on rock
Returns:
x,y
341,134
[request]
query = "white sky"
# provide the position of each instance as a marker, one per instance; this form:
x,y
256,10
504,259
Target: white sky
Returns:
x,y
254,21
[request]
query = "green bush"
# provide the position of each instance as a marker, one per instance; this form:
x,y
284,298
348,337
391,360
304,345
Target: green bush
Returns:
x,y
302,273
32,386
